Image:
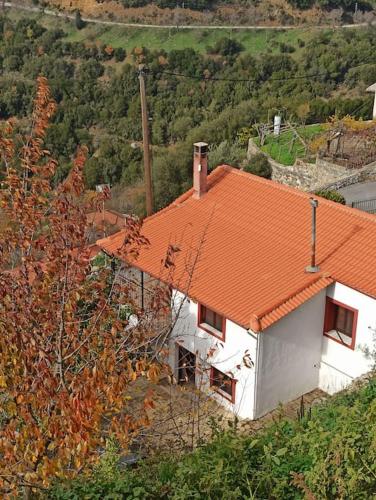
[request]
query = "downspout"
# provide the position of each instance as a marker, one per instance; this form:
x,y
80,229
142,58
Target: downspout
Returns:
x,y
257,365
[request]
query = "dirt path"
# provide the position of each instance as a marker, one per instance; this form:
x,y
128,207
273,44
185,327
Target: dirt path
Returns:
x,y
50,12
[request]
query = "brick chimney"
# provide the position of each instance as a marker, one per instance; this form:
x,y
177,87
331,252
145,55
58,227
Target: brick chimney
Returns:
x,y
200,169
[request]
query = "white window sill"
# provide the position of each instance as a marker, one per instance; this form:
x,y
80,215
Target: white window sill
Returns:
x,y
210,329
339,337
222,393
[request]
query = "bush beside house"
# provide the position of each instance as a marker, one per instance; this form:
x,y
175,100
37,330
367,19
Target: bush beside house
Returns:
x,y
328,453
332,195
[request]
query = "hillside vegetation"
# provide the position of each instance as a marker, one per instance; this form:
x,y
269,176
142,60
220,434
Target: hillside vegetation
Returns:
x,y
330,452
224,12
211,94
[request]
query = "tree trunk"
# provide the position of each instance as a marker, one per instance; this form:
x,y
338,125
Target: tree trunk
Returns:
x,y
27,493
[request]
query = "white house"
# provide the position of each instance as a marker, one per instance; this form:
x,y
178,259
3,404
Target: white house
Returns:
x,y
262,316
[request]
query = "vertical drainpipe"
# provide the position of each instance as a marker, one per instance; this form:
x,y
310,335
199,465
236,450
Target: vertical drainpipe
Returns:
x,y
257,368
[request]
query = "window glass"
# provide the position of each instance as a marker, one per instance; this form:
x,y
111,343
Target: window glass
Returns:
x,y
218,322
344,322
339,323
211,318
222,381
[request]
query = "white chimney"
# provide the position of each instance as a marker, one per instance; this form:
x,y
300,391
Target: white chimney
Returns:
x,y
200,169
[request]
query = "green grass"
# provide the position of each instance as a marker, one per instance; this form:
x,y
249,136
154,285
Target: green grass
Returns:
x,y
254,41
285,149
171,39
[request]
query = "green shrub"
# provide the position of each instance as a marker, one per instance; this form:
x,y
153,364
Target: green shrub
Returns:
x,y
259,165
226,47
79,22
227,153
330,453
286,48
120,54
331,195
302,4
301,43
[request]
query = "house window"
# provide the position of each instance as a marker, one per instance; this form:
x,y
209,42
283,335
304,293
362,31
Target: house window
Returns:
x,y
211,322
340,322
223,384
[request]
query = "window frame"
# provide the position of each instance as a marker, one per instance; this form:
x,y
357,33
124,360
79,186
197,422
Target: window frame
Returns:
x,y
178,345
219,334
220,391
328,305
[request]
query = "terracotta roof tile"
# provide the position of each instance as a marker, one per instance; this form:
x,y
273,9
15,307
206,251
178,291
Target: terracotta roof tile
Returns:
x,y
248,243
107,217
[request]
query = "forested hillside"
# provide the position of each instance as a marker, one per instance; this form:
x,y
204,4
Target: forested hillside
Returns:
x,y
209,94
223,12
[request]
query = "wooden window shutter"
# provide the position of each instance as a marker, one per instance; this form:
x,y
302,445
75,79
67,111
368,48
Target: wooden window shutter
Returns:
x,y
330,316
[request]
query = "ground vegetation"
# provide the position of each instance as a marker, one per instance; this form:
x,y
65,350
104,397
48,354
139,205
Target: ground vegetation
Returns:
x,y
327,452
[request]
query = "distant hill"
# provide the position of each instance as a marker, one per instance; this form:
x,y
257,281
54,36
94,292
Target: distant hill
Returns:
x,y
203,84
217,12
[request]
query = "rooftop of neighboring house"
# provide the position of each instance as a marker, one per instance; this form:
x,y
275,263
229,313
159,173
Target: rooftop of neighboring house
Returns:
x,y
107,216
242,247
104,223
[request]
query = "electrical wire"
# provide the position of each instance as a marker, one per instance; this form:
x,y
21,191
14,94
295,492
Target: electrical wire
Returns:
x,y
250,80
244,80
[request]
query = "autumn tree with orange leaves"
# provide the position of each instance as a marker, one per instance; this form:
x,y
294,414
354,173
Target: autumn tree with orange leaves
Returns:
x,y
64,366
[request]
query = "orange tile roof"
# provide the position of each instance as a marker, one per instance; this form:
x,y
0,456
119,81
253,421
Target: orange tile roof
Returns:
x,y
245,244
109,217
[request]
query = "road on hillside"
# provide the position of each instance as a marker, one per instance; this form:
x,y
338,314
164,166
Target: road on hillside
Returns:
x,y
359,192
174,26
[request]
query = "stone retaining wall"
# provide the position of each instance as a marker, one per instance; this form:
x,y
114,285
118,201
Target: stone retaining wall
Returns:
x,y
314,176
360,175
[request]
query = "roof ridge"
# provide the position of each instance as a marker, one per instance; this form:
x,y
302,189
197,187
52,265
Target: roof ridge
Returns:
x,y
215,175
304,194
115,212
256,319
294,293
212,177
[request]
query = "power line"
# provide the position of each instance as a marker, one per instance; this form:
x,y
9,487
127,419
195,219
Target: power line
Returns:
x,y
252,80
358,108
244,80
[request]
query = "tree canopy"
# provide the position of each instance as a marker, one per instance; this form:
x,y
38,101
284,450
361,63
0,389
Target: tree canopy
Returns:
x,y
67,352
219,94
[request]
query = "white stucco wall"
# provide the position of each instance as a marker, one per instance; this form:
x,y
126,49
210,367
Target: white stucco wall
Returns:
x,y
226,357
339,364
289,356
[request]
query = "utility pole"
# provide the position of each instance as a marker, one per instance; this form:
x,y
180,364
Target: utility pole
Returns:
x,y
145,136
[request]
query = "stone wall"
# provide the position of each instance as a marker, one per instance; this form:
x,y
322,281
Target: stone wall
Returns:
x,y
315,176
298,175
361,175
334,168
